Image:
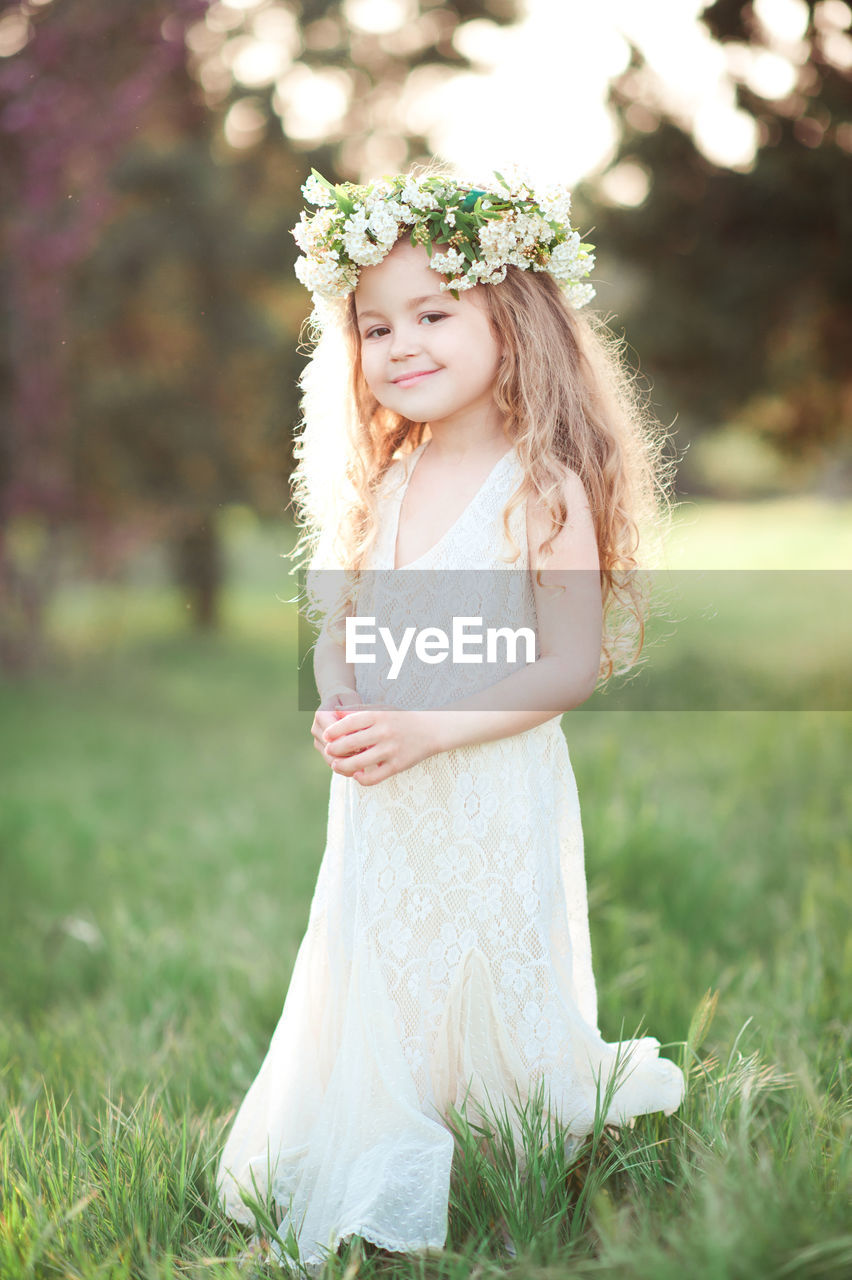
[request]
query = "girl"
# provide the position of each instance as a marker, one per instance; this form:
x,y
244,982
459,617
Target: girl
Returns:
x,y
459,415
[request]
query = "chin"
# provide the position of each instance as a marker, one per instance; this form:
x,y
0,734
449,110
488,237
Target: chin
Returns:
x,y
417,408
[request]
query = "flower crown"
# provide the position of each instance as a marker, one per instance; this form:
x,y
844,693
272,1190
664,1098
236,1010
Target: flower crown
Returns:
x,y
484,231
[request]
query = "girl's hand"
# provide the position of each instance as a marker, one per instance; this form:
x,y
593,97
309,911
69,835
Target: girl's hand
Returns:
x,y
325,715
372,742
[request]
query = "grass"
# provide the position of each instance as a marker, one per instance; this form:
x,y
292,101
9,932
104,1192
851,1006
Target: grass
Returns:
x,y
162,822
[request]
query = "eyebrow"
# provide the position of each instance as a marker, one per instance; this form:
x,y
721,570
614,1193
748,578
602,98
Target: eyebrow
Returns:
x,y
414,302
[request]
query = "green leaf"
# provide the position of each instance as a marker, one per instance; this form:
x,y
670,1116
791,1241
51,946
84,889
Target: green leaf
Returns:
x,y
325,182
472,198
502,179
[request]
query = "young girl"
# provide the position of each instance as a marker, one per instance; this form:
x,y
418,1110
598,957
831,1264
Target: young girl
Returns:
x,y
460,415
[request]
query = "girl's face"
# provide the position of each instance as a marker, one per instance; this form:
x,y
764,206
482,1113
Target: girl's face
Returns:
x,y
424,355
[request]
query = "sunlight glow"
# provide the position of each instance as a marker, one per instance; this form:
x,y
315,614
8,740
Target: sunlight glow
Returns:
x,y
378,17
726,135
765,72
786,19
14,33
837,47
245,123
256,62
312,103
527,101
627,184
832,13
537,95
279,25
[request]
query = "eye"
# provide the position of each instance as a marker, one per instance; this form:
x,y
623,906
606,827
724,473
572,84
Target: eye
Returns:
x,y
372,332
433,315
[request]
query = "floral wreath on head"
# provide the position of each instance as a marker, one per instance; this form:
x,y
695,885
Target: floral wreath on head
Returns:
x,y
485,231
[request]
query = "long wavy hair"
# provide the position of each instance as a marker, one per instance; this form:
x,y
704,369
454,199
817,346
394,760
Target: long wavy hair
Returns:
x,y
570,401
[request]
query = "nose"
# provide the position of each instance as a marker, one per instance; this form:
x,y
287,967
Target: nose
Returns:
x,y
405,342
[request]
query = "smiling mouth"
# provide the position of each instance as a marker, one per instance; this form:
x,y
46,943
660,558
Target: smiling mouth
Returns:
x,y
409,379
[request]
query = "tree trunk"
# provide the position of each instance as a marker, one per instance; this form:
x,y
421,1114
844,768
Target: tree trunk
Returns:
x,y
198,565
27,583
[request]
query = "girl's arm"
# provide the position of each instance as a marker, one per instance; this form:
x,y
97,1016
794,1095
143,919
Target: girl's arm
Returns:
x,y
335,679
569,623
333,674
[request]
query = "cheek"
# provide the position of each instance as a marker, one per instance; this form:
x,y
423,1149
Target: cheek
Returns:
x,y
482,345
487,358
369,366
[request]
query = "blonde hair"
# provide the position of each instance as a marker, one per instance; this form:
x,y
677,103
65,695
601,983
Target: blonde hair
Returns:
x,y
569,401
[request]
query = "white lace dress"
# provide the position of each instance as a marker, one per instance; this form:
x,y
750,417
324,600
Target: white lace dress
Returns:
x,y
446,961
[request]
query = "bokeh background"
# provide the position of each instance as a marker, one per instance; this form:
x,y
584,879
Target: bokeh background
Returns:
x,y
152,157
163,812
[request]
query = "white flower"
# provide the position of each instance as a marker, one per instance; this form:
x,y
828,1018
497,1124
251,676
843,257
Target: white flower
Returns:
x,y
387,877
418,907
335,245
529,228
383,225
308,232
397,937
488,272
555,203
358,246
579,294
461,282
518,178
487,900
536,1025
316,192
406,214
322,277
449,262
445,952
564,262
515,976
382,190
451,864
527,885
500,934
471,805
420,197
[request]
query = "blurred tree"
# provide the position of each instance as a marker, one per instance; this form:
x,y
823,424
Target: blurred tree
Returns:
x,y
73,91
745,300
183,382
152,153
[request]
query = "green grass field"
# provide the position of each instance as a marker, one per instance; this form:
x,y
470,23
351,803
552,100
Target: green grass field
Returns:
x,y
162,821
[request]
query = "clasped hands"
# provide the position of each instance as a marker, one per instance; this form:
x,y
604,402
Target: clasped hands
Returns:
x,y
371,741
